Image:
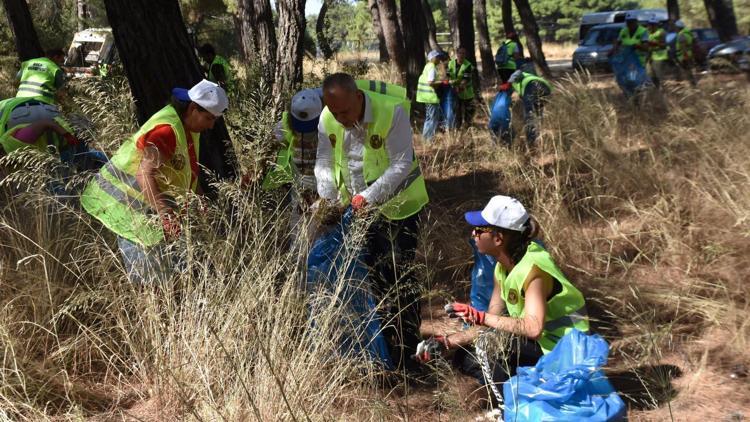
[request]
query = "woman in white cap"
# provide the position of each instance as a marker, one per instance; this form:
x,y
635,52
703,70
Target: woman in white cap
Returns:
x,y
139,194
542,305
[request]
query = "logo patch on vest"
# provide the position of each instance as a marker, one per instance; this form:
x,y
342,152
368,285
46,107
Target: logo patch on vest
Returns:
x,y
512,296
177,162
376,141
332,138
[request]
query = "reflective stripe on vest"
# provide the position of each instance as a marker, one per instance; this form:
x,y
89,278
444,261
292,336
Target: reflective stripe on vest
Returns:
x,y
38,79
564,311
282,172
520,86
458,76
410,196
380,87
685,50
658,53
631,40
425,92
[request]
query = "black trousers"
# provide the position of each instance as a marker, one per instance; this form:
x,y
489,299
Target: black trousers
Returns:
x,y
464,112
504,74
392,246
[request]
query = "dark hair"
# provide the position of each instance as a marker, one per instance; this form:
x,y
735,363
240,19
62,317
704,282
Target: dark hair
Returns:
x,y
207,50
517,242
179,105
339,80
54,52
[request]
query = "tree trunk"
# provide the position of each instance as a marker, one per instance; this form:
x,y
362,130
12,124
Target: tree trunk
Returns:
x,y
394,40
290,50
258,34
461,18
485,47
507,11
722,18
413,27
533,42
375,13
431,28
321,28
673,9
82,14
155,50
19,21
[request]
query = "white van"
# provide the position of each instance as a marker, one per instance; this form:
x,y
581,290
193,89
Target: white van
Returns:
x,y
590,20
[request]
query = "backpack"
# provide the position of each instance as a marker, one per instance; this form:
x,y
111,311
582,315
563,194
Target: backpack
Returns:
x,y
501,57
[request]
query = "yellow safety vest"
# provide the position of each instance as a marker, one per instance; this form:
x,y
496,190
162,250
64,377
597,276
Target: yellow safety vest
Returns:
x,y
631,40
658,54
221,61
283,173
520,86
457,75
38,79
10,143
425,92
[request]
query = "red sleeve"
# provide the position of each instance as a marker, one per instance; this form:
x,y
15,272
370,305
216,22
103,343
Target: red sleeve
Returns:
x,y
162,137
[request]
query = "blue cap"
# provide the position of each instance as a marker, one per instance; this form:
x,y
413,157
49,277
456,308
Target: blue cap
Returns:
x,y
475,219
181,94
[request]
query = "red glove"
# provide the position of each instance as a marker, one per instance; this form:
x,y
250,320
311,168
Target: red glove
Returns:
x,y
70,139
358,202
446,82
171,225
431,348
468,313
504,86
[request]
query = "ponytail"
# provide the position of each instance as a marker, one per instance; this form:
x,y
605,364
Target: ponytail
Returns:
x,y
517,242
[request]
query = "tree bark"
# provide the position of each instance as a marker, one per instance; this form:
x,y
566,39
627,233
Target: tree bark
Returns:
x,y
290,49
534,43
485,47
82,14
673,9
321,27
507,12
413,27
155,50
375,13
394,40
431,28
258,35
19,21
722,18
461,18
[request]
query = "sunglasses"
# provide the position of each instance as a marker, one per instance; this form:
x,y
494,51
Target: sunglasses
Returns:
x,y
477,231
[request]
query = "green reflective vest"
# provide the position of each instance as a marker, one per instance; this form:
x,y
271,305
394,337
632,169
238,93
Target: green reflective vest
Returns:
x,y
114,197
7,106
631,40
565,310
658,54
425,92
381,87
49,138
411,196
684,48
520,86
458,75
221,61
38,79
510,50
282,172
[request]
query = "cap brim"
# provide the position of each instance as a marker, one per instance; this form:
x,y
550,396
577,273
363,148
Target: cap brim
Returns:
x,y
304,126
475,219
181,94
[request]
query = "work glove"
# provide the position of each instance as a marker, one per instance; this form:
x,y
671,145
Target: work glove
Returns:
x,y
358,202
504,86
170,223
430,349
468,313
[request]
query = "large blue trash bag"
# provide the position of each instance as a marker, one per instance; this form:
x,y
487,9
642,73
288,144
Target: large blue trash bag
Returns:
x,y
482,278
500,114
629,72
331,266
448,100
567,384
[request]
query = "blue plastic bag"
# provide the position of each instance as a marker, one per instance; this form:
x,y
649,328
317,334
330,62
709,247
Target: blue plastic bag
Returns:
x,y
482,278
330,266
566,384
629,72
500,114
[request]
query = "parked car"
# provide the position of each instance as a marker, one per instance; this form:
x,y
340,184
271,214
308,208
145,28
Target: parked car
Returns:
x,y
590,20
593,51
705,40
730,55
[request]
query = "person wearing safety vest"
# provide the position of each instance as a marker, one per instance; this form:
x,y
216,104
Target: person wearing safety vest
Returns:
x,y
533,91
218,68
460,73
658,58
427,94
542,304
140,193
509,56
684,51
42,77
634,36
366,160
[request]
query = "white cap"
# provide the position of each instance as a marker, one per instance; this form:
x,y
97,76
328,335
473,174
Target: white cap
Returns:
x,y
502,211
209,96
515,76
433,54
679,23
305,110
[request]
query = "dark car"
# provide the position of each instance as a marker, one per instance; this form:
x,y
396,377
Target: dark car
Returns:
x,y
705,40
729,55
593,51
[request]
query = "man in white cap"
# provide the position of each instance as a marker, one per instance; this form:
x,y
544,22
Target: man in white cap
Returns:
x,y
533,91
633,35
427,94
151,175
658,58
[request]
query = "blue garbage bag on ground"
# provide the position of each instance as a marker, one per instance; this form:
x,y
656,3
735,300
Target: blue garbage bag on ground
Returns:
x,y
629,72
482,278
567,384
500,114
334,266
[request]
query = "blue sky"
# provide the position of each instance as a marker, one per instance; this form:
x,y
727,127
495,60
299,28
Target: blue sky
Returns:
x,y
312,7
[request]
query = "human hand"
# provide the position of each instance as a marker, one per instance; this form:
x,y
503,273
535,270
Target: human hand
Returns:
x,y
504,86
468,313
431,348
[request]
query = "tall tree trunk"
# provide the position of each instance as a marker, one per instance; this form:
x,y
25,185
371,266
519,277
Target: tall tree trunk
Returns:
x,y
19,21
534,43
431,28
461,18
321,28
485,47
258,34
394,40
290,50
82,14
413,27
155,50
375,13
722,18
673,9
507,12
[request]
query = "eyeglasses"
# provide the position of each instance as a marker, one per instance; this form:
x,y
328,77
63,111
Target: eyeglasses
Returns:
x,y
477,231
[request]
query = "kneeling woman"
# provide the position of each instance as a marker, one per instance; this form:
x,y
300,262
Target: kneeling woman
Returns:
x,y
541,304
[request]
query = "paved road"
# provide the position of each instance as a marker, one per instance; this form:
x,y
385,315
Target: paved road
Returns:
x,y
560,65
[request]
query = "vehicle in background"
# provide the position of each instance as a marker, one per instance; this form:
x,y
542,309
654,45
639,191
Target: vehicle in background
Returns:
x,y
705,40
590,20
91,52
730,56
593,51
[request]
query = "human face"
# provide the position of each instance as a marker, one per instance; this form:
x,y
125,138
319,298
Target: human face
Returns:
x,y
460,55
632,25
346,107
488,240
197,119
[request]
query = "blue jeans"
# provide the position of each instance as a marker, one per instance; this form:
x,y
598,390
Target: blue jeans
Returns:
x,y
433,114
146,265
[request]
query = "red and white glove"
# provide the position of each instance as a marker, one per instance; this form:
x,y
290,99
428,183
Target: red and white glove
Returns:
x,y
432,348
504,86
171,226
358,202
468,313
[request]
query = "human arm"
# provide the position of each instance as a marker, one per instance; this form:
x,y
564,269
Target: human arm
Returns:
x,y
324,166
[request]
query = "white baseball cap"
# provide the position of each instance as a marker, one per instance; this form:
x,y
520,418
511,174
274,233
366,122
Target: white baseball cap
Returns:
x,y
515,76
433,54
305,110
679,23
206,94
502,211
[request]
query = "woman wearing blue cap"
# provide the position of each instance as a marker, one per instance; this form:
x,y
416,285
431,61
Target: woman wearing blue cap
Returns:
x,y
542,305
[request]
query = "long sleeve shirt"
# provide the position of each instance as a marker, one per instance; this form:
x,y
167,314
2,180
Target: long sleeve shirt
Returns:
x,y
398,145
